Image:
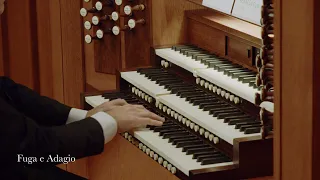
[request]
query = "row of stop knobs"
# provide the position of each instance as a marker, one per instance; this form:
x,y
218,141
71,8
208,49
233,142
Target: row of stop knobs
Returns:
x,y
114,16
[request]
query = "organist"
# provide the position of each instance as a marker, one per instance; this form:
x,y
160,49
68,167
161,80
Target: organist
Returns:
x,y
33,126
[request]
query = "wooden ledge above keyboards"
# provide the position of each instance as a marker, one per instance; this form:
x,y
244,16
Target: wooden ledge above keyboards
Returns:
x,y
228,24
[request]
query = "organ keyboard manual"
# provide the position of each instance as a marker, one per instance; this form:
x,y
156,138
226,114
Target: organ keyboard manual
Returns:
x,y
214,87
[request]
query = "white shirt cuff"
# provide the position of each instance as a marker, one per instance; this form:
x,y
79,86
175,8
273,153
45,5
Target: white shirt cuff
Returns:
x,y
108,123
76,115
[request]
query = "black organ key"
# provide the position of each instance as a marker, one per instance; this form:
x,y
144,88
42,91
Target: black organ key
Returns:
x,y
178,47
213,106
183,139
204,153
229,114
252,130
231,72
187,143
227,119
203,101
217,103
197,146
166,127
178,137
252,83
183,50
215,112
239,125
191,52
239,120
168,135
238,74
198,57
214,160
228,70
223,67
248,79
241,77
208,156
243,128
198,149
166,131
194,97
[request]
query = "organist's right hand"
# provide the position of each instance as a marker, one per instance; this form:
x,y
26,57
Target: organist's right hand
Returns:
x,y
130,117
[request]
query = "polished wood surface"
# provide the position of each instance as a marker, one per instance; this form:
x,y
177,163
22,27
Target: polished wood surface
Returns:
x,y
297,88
169,25
122,160
228,24
136,43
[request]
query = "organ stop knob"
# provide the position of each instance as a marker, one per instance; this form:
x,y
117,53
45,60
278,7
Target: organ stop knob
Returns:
x,y
116,30
128,9
118,2
99,5
84,12
132,23
88,39
87,25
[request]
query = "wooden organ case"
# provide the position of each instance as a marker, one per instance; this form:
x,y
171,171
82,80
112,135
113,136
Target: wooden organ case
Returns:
x,y
208,73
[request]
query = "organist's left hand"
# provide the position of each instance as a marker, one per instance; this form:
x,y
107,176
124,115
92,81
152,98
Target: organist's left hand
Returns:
x,y
107,106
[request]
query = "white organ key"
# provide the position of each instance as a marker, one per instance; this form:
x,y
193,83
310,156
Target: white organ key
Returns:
x,y
150,99
95,101
140,146
133,89
179,59
206,85
146,97
170,153
169,166
162,62
176,115
203,119
126,135
143,83
139,93
144,148
160,105
142,95
180,118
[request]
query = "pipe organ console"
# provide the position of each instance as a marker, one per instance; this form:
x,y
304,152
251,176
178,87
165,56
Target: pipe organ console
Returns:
x,y
212,80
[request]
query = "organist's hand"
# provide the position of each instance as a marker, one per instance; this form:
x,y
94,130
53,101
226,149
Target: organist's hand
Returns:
x,y
107,106
130,117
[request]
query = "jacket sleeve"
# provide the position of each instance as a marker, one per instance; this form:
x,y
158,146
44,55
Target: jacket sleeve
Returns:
x,y
21,135
45,111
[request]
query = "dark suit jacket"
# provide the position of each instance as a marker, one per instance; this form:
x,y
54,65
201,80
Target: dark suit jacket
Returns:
x,y
34,126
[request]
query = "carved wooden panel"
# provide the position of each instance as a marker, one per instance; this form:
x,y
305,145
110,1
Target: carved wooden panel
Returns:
x,y
136,42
